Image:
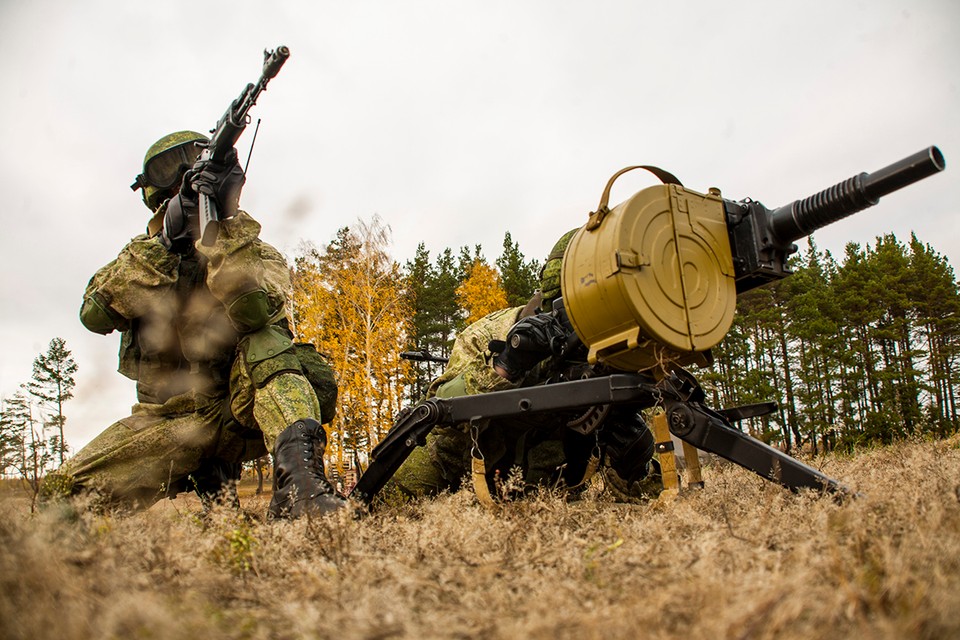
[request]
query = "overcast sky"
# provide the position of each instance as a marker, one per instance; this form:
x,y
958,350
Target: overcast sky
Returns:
x,y
452,121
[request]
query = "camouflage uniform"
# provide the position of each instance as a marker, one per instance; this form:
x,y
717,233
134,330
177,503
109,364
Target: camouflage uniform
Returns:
x,y
541,446
211,392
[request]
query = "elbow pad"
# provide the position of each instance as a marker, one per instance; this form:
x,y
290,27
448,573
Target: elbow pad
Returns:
x,y
250,311
97,316
453,388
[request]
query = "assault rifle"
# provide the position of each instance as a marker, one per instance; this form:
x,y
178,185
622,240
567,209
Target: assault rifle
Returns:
x,y
649,286
228,130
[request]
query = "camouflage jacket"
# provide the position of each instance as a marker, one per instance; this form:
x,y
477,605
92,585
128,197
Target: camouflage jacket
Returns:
x,y
172,310
470,369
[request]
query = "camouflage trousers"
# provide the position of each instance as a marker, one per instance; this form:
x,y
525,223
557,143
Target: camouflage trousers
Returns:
x,y
148,455
544,457
561,459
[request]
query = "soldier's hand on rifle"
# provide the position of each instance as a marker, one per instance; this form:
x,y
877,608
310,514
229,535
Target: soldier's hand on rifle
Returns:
x,y
220,181
181,221
530,341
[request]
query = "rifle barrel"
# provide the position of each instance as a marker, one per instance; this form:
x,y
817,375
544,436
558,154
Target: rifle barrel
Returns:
x,y
274,60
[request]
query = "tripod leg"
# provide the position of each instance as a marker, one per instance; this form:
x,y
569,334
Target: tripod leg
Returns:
x,y
694,475
668,461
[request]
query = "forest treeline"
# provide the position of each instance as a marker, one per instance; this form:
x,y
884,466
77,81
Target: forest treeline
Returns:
x,y
855,351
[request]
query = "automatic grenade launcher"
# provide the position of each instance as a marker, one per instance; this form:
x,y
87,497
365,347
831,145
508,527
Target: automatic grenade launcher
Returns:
x,y
654,281
649,286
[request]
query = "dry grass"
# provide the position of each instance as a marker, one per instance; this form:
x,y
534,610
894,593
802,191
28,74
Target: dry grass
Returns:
x,y
740,559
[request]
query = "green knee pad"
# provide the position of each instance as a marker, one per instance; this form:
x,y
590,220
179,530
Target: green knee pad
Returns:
x,y
269,352
97,316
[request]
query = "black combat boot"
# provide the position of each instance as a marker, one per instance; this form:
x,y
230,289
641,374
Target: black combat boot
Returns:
x,y
299,482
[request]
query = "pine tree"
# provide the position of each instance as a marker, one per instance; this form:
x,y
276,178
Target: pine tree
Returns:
x,y
936,309
11,437
858,352
901,352
443,291
33,453
418,274
810,347
518,277
860,300
466,260
757,374
431,294
52,385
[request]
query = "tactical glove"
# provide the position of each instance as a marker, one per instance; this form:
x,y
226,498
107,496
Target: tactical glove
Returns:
x,y
530,341
220,181
181,221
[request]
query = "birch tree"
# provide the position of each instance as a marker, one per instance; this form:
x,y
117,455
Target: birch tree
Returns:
x,y
349,301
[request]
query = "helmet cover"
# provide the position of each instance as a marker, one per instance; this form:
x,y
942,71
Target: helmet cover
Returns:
x,y
164,164
551,270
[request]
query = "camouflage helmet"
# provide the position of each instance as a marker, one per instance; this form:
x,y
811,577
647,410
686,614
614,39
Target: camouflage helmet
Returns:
x,y
550,272
164,164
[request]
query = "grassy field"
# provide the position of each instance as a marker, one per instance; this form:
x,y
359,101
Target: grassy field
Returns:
x,y
740,559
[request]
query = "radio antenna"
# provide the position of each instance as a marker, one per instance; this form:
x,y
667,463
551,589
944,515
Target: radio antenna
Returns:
x,y
252,142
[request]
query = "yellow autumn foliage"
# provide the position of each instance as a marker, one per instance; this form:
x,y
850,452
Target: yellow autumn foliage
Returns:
x,y
348,302
481,292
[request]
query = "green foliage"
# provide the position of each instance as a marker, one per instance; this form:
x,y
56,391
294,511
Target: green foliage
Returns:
x,y
467,260
518,277
861,352
16,423
52,385
235,550
431,290
431,294
26,448
28,451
